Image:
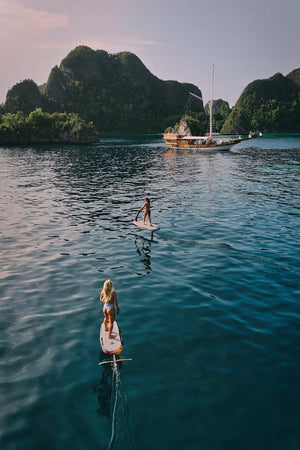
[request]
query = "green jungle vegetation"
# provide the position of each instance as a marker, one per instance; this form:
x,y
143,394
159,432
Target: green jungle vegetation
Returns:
x,y
40,127
120,95
271,105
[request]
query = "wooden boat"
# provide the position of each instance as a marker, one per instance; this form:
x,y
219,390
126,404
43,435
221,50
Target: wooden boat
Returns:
x,y
211,142
180,140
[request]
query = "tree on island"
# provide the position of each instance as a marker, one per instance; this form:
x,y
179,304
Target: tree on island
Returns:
x,y
42,127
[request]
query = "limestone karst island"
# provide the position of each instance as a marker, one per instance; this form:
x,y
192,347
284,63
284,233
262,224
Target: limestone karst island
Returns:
x,y
93,92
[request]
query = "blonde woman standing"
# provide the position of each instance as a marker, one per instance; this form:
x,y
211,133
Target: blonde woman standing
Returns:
x,y
109,297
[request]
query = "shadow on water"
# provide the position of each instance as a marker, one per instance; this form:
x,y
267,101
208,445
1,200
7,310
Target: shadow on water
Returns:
x,y
113,404
103,389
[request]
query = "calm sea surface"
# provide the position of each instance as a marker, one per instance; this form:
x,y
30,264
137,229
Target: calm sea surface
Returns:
x,y
210,309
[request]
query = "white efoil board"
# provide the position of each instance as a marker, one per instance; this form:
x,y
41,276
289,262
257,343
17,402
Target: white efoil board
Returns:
x,y
111,346
146,225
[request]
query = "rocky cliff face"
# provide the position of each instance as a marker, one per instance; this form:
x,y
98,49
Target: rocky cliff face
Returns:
x,y
295,77
56,85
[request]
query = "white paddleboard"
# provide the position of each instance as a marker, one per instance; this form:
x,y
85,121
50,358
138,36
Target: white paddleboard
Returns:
x,y
111,346
146,226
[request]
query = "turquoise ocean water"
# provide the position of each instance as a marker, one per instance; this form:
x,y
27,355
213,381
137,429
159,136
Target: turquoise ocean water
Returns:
x,y
209,308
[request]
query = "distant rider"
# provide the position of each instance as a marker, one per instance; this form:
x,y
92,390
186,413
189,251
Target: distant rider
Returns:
x,y
147,212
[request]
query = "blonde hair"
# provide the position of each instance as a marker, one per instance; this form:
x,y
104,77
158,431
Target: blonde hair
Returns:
x,y
107,290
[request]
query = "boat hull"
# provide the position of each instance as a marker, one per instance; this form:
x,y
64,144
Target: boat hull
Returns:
x,y
203,148
176,142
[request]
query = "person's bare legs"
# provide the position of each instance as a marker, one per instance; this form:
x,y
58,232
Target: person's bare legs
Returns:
x,y
106,318
146,213
111,315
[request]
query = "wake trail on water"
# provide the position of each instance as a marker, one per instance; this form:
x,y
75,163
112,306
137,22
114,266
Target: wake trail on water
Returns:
x,y
120,435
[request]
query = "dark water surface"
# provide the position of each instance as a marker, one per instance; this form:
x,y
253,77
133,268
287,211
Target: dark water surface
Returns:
x,y
209,309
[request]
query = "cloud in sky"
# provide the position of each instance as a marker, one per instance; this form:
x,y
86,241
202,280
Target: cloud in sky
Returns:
x,y
35,38
19,23
141,42
175,40
23,27
116,45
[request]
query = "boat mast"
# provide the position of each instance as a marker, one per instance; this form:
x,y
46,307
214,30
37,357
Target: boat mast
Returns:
x,y
211,101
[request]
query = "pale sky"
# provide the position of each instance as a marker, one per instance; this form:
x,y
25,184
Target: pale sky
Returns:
x,y
176,39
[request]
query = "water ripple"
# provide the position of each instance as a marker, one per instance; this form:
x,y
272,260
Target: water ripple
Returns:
x,y
209,308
